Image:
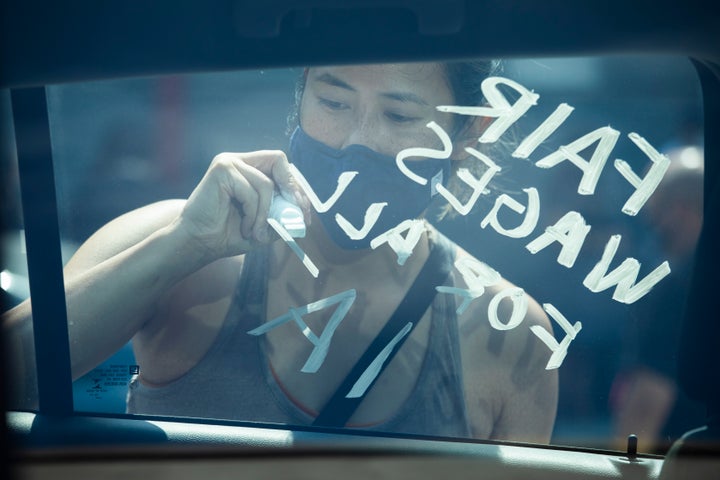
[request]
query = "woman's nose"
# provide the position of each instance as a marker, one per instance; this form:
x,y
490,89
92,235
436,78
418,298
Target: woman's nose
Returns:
x,y
367,133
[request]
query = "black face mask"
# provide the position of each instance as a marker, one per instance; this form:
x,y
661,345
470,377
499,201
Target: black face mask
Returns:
x,y
378,180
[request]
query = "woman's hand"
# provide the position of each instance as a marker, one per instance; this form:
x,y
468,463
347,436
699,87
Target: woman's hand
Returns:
x,y
227,212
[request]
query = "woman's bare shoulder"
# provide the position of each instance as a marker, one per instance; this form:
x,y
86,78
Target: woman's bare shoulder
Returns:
x,y
501,290
497,326
504,361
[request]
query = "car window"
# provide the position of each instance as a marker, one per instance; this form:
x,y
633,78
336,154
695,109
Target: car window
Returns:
x,y
559,200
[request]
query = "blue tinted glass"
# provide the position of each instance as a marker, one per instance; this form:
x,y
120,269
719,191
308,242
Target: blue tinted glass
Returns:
x,y
556,202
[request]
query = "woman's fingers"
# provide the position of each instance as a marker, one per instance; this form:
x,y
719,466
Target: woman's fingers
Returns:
x,y
254,178
227,212
274,163
255,210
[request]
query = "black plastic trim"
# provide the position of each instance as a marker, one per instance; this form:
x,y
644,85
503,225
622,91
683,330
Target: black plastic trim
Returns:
x,y
43,43
42,240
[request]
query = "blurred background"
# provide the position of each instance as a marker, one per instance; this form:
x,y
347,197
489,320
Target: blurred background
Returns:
x,y
122,144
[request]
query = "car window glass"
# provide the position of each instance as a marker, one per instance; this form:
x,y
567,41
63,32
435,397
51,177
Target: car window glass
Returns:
x,y
578,181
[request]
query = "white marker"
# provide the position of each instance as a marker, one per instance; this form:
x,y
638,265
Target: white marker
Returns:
x,y
344,301
529,222
624,276
477,276
373,370
312,268
558,349
287,214
644,187
425,153
371,217
519,308
403,246
500,109
541,133
467,294
570,232
606,138
343,181
478,185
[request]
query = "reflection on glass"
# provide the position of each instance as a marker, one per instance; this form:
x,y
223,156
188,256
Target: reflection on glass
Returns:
x,y
14,286
528,197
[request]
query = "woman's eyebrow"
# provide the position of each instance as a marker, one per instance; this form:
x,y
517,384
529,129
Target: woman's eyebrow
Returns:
x,y
332,80
405,97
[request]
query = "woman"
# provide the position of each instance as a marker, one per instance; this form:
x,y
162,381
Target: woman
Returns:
x,y
166,276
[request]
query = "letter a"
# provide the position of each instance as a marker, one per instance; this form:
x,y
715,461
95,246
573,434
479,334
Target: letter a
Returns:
x,y
570,232
591,168
317,356
403,246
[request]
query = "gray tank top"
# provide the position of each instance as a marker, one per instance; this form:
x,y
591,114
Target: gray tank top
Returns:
x,y
233,380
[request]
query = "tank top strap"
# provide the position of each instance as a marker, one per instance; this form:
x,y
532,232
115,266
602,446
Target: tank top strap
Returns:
x,y
251,291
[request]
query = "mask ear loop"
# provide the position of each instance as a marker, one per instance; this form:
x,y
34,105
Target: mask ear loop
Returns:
x,y
470,131
464,135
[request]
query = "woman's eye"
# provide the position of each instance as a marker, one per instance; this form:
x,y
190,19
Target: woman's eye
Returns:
x,y
400,118
332,104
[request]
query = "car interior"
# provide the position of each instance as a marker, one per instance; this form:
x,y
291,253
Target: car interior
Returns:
x,y
599,134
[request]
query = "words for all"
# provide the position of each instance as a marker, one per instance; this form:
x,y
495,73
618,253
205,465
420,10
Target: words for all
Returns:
x,y
569,231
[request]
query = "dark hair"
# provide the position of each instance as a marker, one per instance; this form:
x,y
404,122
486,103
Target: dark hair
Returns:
x,y
464,79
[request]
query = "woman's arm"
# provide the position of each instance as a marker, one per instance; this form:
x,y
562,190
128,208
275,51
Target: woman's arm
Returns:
x,y
119,278
112,285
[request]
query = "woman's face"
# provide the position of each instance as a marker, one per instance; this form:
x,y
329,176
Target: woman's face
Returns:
x,y
383,107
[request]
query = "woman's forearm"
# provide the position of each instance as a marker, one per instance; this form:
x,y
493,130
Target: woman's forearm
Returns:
x,y
106,304
110,302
